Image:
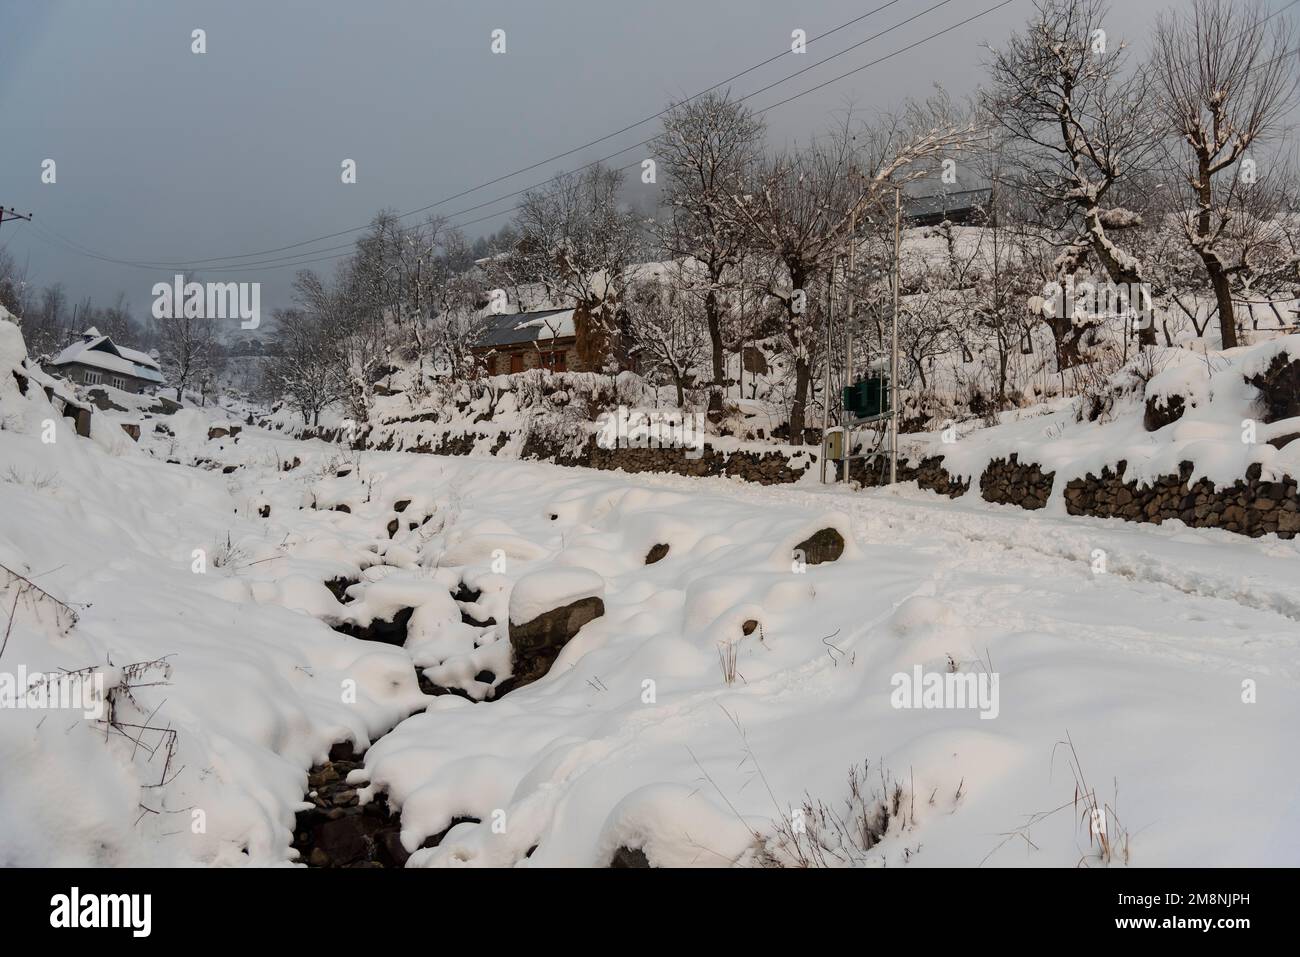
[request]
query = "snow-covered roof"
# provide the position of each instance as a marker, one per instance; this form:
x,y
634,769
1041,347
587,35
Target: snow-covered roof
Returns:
x,y
101,352
520,327
920,207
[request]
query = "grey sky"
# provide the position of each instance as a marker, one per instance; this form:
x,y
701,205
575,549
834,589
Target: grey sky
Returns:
x,y
167,155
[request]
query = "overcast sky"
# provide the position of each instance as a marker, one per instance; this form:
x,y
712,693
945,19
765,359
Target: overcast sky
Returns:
x,y
166,155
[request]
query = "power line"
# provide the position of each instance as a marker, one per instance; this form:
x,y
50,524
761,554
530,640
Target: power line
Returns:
x,y
532,166
313,256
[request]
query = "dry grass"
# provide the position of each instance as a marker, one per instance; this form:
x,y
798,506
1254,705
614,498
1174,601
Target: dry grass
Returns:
x,y
1108,840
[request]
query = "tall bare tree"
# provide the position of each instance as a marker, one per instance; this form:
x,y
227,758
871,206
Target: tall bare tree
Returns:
x,y
578,239
1080,121
802,206
668,324
1227,77
186,346
706,149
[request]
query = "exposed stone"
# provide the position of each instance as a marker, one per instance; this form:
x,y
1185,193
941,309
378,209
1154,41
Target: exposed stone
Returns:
x,y
1160,413
388,632
1010,482
131,429
629,857
824,545
657,553
339,586
217,432
537,643
1279,387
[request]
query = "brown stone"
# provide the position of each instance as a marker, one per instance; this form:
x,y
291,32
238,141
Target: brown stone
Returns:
x,y
536,644
824,545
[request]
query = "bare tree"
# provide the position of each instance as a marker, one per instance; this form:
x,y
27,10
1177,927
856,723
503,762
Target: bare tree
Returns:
x,y
577,239
15,291
706,148
802,205
304,371
1080,121
354,320
1226,73
668,324
185,345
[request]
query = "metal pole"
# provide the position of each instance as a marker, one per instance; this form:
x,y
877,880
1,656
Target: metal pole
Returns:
x,y
848,334
893,351
826,391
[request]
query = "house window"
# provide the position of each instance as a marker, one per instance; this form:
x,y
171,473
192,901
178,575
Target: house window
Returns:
x,y
91,378
516,362
555,361
117,382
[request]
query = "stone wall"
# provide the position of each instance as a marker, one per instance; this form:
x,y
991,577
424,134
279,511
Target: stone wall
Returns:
x,y
1249,506
763,468
1009,482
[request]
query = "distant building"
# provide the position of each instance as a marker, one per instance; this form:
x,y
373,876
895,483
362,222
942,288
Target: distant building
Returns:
x,y
97,360
967,207
529,340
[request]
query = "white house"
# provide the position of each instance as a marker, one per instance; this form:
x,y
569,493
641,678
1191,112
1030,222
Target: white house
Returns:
x,y
97,360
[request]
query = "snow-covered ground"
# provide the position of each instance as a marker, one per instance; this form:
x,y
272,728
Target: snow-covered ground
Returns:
x,y
1167,657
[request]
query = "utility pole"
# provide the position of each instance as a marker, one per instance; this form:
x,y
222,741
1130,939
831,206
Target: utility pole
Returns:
x,y
826,387
12,213
848,333
893,351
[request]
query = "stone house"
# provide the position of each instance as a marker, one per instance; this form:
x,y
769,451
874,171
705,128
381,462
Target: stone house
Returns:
x,y
96,360
529,340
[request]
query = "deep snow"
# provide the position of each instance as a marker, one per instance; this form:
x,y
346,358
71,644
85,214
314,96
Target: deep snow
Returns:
x,y
636,738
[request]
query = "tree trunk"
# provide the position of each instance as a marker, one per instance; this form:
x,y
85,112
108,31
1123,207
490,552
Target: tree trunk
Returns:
x,y
1210,257
714,320
802,379
1119,273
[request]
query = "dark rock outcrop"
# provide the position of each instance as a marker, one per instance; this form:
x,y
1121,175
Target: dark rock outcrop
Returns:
x,y
1160,413
629,857
536,644
823,545
1279,388
388,632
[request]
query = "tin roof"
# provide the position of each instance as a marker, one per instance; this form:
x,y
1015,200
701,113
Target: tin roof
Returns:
x,y
521,327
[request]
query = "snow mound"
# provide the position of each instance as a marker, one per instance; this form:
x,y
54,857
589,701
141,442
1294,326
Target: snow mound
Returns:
x,y
538,592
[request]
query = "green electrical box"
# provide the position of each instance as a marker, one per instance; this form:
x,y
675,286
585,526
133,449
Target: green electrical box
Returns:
x,y
868,397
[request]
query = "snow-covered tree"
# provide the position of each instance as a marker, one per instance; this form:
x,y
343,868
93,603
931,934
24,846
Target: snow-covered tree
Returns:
x,y
1227,77
801,205
186,346
577,239
304,371
668,325
706,148
1079,121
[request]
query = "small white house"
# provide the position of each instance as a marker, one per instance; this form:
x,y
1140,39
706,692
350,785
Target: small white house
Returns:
x,y
97,360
